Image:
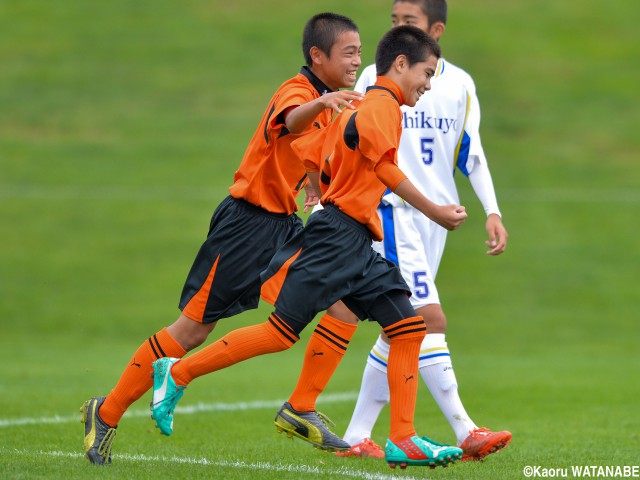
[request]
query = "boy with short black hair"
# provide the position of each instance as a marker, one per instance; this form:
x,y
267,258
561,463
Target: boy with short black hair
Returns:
x,y
249,226
439,133
332,258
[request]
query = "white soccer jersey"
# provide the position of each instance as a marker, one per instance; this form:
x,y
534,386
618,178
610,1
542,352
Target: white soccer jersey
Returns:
x,y
439,134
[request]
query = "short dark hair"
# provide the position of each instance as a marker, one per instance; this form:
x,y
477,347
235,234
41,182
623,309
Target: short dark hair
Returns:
x,y
406,40
322,30
435,10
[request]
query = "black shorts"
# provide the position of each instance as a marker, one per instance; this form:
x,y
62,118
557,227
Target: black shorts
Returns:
x,y
330,260
225,277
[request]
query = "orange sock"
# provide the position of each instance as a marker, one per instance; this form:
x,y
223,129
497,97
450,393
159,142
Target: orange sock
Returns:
x,y
136,378
325,350
405,338
272,336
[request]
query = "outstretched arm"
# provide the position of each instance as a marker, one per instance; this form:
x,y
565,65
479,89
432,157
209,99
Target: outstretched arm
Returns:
x,y
298,118
447,216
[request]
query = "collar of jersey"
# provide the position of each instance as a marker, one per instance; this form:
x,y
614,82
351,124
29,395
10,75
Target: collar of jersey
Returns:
x,y
315,81
384,83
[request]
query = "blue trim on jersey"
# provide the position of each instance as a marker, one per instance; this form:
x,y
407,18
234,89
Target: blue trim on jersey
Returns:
x,y
463,154
434,355
373,357
389,231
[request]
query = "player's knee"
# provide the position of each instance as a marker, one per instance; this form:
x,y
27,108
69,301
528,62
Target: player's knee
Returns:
x,y
189,333
390,308
341,312
434,318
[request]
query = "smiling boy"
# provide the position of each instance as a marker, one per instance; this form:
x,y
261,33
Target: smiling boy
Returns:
x,y
332,259
249,226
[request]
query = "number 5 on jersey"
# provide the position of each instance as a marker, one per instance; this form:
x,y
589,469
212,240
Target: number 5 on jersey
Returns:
x,y
426,148
420,287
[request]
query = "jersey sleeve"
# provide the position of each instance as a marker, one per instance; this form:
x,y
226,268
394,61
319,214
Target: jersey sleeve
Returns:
x,y
476,167
474,151
389,173
293,96
379,134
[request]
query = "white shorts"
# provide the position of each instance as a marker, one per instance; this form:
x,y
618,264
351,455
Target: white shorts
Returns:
x,y
415,244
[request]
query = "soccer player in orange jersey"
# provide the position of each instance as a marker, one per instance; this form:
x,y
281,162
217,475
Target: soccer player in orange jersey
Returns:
x,y
249,226
439,133
332,258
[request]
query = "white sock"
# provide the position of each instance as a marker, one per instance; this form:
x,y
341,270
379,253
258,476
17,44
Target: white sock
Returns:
x,y
437,372
373,396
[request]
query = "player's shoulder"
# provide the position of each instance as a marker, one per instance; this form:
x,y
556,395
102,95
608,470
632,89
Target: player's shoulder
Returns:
x,y
297,81
450,72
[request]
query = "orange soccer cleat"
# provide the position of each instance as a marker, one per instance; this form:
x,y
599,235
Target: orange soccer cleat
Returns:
x,y
482,442
366,448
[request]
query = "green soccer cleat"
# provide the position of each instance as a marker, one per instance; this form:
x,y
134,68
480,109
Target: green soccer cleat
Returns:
x,y
98,436
420,451
311,427
165,394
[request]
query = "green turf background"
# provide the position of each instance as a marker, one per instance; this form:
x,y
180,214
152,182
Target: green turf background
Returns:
x,y
121,124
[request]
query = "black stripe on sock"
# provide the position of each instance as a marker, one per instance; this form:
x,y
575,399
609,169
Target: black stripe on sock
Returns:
x,y
159,346
402,324
406,332
283,323
337,344
155,352
276,325
333,334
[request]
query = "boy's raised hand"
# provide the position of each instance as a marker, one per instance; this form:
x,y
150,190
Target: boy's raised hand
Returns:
x,y
342,98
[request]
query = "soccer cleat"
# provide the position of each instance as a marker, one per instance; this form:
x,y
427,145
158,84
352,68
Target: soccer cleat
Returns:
x,y
420,451
98,436
165,394
482,442
311,427
366,448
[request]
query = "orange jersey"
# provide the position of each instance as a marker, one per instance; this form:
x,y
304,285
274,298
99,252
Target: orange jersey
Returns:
x,y
270,175
356,154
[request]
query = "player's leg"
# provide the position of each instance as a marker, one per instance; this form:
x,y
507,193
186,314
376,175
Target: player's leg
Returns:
x,y
372,398
278,333
324,351
171,375
100,414
405,330
400,242
436,367
232,221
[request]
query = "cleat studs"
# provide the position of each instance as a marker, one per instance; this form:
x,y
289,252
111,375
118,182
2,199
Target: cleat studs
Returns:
x,y
392,465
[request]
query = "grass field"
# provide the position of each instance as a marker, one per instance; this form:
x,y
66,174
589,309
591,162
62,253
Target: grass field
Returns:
x,y
121,124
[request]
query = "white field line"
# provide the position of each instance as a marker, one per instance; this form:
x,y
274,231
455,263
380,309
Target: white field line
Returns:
x,y
253,466
184,410
159,193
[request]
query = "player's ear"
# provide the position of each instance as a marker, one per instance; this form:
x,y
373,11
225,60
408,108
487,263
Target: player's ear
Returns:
x,y
317,55
401,63
436,30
